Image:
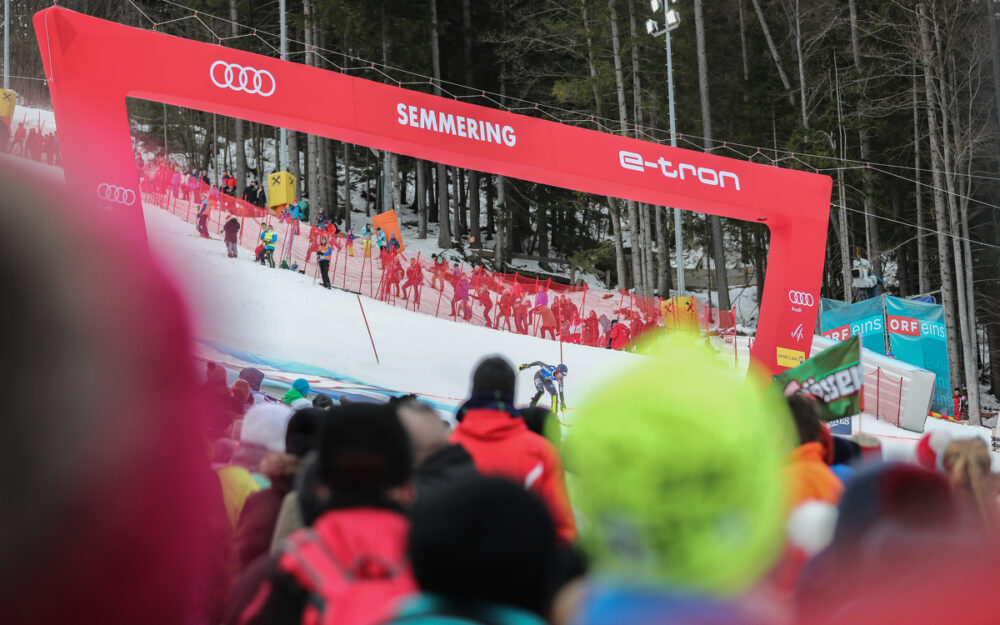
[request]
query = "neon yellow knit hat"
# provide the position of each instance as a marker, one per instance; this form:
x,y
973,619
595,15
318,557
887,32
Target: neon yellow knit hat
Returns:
x,y
680,466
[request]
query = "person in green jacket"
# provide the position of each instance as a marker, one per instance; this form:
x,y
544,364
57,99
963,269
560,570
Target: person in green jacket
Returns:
x,y
299,390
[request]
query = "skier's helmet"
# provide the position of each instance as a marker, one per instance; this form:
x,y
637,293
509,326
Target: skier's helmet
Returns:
x,y
562,369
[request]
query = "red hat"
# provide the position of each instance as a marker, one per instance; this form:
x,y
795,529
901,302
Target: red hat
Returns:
x,y
930,449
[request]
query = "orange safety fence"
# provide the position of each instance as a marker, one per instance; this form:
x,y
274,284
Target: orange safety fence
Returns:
x,y
511,302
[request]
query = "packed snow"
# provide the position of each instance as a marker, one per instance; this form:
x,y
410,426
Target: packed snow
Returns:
x,y
286,317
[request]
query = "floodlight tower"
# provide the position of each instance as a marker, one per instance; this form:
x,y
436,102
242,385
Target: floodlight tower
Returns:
x,y
671,20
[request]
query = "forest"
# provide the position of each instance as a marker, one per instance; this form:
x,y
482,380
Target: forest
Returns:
x,y
895,100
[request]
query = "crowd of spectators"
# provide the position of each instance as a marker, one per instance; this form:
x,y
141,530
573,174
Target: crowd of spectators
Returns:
x,y
139,489
35,144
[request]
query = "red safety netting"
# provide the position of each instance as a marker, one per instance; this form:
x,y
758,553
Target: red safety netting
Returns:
x,y
510,302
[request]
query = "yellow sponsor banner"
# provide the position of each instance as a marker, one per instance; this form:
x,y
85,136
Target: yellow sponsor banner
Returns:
x,y
790,357
7,101
280,189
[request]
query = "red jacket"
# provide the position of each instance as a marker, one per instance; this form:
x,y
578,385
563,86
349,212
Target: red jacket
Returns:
x,y
352,563
618,336
503,445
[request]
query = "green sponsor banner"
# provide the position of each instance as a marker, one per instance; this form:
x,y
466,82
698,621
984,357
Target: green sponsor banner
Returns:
x,y
834,376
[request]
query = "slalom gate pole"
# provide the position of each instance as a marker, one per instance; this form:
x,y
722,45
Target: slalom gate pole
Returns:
x,y
440,296
362,278
371,277
365,317
336,263
346,262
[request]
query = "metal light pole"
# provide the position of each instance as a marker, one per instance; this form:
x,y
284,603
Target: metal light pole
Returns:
x,y
283,149
6,44
671,21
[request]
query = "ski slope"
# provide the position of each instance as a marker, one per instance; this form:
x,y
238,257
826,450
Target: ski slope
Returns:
x,y
241,310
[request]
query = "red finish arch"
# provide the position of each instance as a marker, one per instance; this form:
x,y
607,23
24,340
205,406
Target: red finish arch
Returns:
x,y
92,66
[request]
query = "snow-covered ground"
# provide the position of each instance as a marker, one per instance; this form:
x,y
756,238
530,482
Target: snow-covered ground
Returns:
x,y
284,317
34,118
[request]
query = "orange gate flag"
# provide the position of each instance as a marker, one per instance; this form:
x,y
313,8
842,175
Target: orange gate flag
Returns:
x,y
390,225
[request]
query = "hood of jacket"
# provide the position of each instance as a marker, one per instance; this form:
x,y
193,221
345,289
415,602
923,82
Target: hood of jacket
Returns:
x,y
490,423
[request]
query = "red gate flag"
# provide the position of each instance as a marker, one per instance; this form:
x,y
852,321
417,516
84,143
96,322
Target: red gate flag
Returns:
x,y
93,65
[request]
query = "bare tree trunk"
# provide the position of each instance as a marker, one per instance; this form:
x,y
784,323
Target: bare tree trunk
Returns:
x,y
940,208
474,208
802,65
241,154
645,236
774,52
313,158
347,185
612,202
502,241
844,229
991,16
961,276
923,282
743,46
421,201
874,251
633,223
718,244
456,207
444,230
328,147
616,231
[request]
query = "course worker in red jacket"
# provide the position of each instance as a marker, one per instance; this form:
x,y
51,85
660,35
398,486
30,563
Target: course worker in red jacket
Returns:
x,y
500,443
618,335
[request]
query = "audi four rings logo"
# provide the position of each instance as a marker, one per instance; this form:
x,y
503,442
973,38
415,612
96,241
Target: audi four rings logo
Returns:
x,y
239,78
116,195
801,298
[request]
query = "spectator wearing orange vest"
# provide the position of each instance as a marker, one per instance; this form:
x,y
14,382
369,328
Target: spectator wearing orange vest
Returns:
x,y
809,476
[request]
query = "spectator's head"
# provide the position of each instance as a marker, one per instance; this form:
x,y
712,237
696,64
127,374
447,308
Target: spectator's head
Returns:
x,y
105,481
265,425
364,455
495,376
322,401
302,435
428,433
680,472
541,421
967,462
253,377
900,494
806,416
485,539
302,386
930,449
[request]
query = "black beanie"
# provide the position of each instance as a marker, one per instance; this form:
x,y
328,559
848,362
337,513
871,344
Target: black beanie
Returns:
x,y
494,375
363,447
302,434
485,539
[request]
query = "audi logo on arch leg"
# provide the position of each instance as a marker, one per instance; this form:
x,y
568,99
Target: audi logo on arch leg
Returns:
x,y
240,78
115,194
801,298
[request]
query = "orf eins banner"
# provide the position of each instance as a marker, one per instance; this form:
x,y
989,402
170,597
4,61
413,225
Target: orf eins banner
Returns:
x,y
862,319
917,336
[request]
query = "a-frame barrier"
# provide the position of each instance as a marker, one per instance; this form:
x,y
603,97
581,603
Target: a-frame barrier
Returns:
x,y
92,66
